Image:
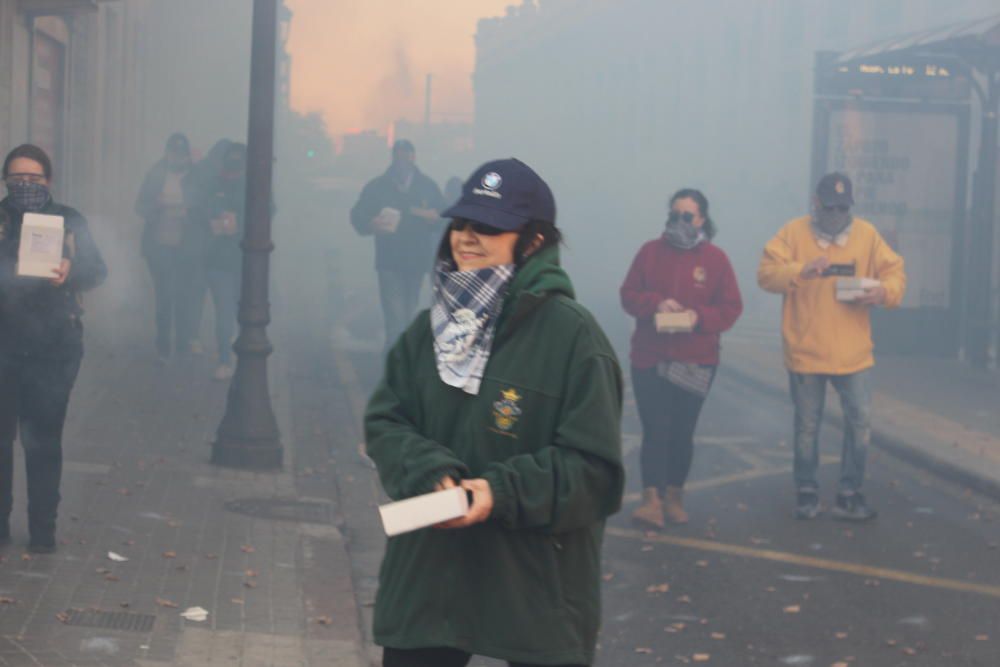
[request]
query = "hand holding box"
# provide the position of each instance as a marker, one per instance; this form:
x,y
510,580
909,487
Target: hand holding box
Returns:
x,y
682,322
852,289
40,252
422,511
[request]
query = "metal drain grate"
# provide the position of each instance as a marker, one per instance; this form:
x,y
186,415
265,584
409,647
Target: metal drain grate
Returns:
x,y
282,509
110,620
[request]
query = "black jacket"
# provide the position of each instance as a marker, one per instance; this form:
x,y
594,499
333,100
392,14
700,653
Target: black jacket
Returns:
x,y
411,248
36,318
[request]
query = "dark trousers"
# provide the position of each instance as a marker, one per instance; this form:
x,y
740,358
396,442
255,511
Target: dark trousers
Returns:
x,y
669,416
436,657
165,269
34,395
399,292
224,286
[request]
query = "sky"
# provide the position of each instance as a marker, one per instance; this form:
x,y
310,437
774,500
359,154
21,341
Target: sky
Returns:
x,y
363,63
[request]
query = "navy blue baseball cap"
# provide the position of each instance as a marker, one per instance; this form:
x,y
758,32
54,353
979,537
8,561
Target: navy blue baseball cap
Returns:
x,y
835,189
505,194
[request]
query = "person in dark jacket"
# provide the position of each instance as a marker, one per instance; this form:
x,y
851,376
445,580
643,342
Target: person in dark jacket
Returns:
x,y
219,209
41,342
508,388
400,208
168,241
682,271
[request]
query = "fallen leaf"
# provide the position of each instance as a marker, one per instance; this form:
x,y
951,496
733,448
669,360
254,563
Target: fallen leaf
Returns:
x,y
62,617
684,599
251,573
250,584
7,600
166,603
909,651
979,638
238,601
103,570
608,577
701,563
643,649
210,556
111,577
170,554
658,588
700,657
247,549
840,635
27,557
324,620
792,609
118,558
124,605
648,547
718,635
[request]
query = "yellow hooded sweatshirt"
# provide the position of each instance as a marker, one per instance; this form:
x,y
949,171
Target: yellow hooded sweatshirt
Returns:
x,y
822,335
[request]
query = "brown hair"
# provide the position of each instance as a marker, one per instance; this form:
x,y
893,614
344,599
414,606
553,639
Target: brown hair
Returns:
x,y
32,152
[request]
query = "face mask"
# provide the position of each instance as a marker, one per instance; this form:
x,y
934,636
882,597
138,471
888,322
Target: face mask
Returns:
x,y
683,235
832,223
27,196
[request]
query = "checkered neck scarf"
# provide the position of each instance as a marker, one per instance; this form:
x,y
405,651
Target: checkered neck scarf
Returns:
x,y
464,319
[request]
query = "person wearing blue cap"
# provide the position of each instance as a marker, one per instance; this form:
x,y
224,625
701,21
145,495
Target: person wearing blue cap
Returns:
x,y
508,388
400,209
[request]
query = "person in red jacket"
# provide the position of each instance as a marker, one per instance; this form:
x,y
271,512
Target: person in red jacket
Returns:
x,y
682,271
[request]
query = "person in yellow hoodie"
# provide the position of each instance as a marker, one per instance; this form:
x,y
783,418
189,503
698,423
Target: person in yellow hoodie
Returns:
x,y
828,339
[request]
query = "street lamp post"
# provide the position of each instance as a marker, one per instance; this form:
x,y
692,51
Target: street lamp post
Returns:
x,y
248,435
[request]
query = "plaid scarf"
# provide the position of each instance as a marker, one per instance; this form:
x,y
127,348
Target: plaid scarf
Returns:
x,y
464,319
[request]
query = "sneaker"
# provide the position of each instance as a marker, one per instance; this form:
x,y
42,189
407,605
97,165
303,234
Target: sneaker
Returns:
x,y
852,507
223,372
807,504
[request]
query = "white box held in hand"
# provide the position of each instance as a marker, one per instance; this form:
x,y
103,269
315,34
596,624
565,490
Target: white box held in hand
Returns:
x,y
682,322
421,511
41,248
852,289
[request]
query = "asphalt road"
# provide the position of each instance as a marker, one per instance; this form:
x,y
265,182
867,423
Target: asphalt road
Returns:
x,y
747,584
744,583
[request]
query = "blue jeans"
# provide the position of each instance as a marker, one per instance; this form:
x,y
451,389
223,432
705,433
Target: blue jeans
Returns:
x,y
809,395
225,289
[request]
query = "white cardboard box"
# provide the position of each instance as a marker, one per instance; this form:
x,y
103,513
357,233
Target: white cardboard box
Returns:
x,y
41,249
852,289
674,322
419,512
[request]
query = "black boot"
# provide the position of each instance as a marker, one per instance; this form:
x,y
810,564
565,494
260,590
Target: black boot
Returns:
x,y
4,531
43,536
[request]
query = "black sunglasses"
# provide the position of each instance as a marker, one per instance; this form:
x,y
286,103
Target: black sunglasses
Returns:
x,y
460,224
840,208
686,216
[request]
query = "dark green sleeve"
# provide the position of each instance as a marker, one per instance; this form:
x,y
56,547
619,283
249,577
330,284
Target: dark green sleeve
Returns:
x,y
579,478
408,463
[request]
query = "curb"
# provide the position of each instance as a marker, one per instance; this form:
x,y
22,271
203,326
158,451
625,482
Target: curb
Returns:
x,y
890,443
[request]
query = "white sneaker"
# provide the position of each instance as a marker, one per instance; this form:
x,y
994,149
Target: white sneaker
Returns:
x,y
223,372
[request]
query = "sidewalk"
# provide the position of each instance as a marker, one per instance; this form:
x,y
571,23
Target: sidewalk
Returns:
x,y
272,571
935,413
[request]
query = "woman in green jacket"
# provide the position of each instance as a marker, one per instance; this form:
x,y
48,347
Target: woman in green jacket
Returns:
x,y
508,388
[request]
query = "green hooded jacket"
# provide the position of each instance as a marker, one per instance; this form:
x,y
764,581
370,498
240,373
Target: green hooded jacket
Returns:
x,y
544,431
